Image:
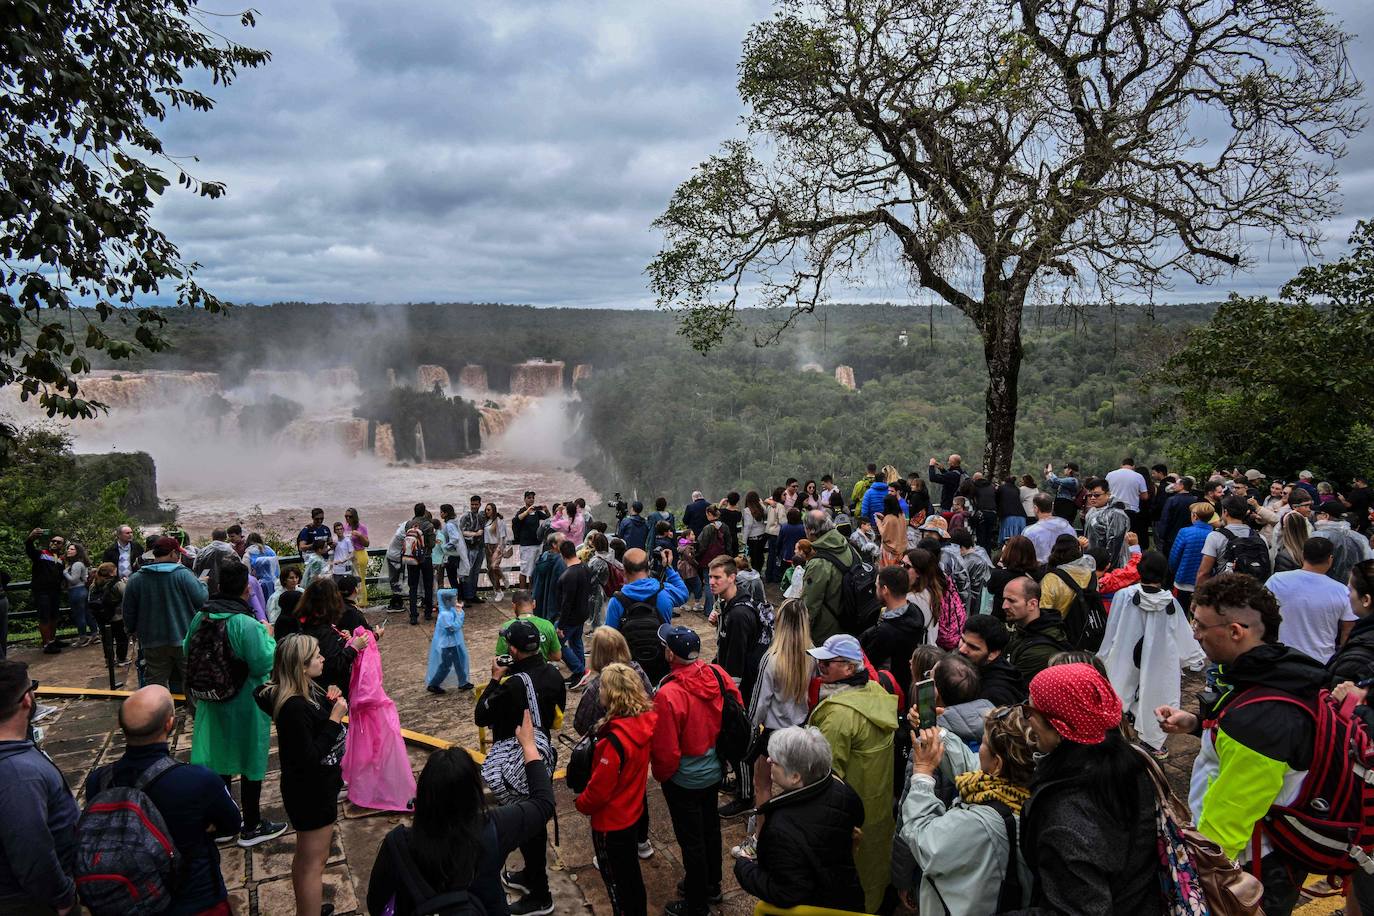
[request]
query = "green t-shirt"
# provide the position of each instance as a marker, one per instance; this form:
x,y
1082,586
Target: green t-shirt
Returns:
x,y
548,637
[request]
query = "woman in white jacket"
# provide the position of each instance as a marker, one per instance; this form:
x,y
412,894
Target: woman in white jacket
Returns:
x,y
963,850
1147,643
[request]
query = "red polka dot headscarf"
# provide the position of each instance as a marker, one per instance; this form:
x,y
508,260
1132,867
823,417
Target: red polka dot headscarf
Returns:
x,y
1079,703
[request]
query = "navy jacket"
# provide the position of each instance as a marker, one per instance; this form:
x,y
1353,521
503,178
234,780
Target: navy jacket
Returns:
x,y
38,844
196,807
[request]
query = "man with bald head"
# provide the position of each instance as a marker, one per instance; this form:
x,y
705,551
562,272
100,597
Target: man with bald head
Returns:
x,y
191,799
632,609
949,478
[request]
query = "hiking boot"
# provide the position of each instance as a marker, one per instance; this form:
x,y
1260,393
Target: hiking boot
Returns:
x,y
735,808
533,905
266,830
712,893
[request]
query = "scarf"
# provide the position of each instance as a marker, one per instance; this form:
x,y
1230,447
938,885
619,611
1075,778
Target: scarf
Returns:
x,y
978,788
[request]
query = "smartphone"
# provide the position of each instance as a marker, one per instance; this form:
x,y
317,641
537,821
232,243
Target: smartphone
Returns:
x,y
381,625
925,702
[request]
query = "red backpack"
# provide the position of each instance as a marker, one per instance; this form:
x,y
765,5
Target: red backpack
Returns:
x,y
1326,830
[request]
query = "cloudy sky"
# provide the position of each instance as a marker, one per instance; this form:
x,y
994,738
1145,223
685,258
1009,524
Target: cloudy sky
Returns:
x,y
511,152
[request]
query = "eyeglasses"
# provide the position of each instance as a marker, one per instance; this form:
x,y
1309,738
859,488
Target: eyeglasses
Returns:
x,y
1225,623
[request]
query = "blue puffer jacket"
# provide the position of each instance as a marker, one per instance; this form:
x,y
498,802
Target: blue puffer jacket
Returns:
x,y
1186,555
873,499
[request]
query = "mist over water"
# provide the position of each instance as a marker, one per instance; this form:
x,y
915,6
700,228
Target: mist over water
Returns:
x,y
218,474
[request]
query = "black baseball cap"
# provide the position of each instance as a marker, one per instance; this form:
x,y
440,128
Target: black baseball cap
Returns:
x,y
522,635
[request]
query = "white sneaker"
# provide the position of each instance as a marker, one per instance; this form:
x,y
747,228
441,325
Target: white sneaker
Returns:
x,y
646,850
499,596
42,711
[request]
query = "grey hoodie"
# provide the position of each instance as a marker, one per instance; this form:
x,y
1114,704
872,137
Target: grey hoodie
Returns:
x,y
38,844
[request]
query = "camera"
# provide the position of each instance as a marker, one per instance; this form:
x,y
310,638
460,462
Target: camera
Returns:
x,y
620,506
504,661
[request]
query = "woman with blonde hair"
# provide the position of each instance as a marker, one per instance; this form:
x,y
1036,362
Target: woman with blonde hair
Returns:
x,y
614,797
310,746
779,698
962,851
607,647
495,538
1293,534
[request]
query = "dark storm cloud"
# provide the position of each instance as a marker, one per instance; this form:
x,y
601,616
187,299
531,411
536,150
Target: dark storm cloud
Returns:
x,y
500,152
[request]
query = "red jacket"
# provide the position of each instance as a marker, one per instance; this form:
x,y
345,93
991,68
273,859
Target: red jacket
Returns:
x,y
614,796
689,705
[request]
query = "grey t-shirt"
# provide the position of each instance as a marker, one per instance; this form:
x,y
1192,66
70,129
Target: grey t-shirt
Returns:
x,y
1215,545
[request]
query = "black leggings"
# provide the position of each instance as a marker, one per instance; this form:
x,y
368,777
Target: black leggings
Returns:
x,y
617,857
250,801
115,633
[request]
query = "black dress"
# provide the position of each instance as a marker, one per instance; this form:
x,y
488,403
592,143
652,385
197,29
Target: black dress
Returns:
x,y
310,746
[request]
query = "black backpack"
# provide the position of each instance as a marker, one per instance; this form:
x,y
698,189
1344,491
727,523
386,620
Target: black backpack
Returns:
x,y
213,671
1085,622
1247,554
583,758
639,623
859,605
427,902
732,742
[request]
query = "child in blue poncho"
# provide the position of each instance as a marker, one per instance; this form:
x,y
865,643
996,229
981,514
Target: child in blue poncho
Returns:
x,y
448,654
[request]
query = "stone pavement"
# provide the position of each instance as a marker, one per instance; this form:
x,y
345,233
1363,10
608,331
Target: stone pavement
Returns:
x,y
84,733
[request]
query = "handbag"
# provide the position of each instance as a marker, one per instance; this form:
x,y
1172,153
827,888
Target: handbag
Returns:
x,y
1196,877
504,769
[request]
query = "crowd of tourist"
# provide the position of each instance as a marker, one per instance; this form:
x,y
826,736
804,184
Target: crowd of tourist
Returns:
x,y
933,690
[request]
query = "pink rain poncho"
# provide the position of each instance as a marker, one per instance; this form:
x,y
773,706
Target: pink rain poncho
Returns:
x,y
375,763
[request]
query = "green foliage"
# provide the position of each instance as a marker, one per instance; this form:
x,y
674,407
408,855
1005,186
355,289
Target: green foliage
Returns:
x,y
82,86
1284,385
41,487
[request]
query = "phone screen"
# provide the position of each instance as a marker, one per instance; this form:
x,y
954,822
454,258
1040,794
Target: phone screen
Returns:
x,y
925,702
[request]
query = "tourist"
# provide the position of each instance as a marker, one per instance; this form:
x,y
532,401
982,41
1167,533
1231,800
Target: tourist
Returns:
x,y
1186,554
739,650
1016,559
522,603
1088,831
1049,526
122,554
983,524
502,708
977,567
448,652
525,529
755,529
891,529
290,581
159,602
457,841
639,588
614,795
875,497
396,569
231,735
356,532
341,560
661,514
352,616
689,569
608,647
1348,547
212,556
1063,492
1255,755
495,538
861,486
1354,660
193,802
317,616
1106,523
574,609
694,513
106,602
984,643
1146,643
262,562
684,761
775,518
1292,536
633,529
607,574
710,544
471,531
544,578
305,541
419,560
1036,632
805,851
779,698
858,718
38,846
1316,611
1219,551
902,625
76,571
949,478
318,562
439,553
821,592
962,849
930,590
1011,512
45,584
310,747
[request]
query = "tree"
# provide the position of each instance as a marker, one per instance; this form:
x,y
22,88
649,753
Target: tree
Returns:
x,y
999,149
82,85
1283,385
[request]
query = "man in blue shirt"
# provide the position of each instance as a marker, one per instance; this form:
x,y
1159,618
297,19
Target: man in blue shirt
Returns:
x,y
314,531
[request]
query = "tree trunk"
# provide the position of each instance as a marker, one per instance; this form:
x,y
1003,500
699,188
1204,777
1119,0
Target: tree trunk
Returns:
x,y
1002,351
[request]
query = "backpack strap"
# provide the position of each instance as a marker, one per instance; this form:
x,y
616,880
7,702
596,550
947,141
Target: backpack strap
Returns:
x,y
154,772
835,560
532,699
1069,581
1010,893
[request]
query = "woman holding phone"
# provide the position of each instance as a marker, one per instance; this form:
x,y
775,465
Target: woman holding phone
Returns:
x,y
310,744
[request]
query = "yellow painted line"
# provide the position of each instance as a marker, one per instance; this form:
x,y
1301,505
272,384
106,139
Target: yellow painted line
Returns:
x,y
417,738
